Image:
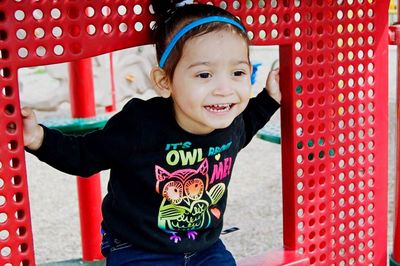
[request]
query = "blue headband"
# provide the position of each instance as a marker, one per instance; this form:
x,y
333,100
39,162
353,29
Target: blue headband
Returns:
x,y
192,25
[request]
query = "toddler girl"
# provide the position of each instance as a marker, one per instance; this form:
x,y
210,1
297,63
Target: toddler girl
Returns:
x,y
171,157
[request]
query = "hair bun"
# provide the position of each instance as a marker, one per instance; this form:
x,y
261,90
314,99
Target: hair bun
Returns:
x,y
165,8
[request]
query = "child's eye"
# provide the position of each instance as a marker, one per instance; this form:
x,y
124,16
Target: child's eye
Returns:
x,y
204,75
239,73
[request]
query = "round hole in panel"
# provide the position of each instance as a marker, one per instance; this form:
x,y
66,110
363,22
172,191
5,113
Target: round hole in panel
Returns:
x,y
19,15
262,19
76,48
5,251
39,33
9,109
16,180
91,29
123,27
90,12
297,32
75,30
137,9
40,51
249,4
37,14
73,13
55,13
22,52
57,32
22,247
11,127
312,259
250,34
223,5
18,197
3,37
371,230
106,11
58,50
21,34
107,28
3,200
3,217
4,234
138,26
262,34
12,145
371,255
236,5
300,225
20,214
122,10
21,231
300,199
300,251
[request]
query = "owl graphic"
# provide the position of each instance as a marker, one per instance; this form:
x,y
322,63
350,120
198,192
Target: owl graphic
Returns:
x,y
187,203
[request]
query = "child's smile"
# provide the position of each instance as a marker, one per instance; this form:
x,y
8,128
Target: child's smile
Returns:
x,y
211,82
219,108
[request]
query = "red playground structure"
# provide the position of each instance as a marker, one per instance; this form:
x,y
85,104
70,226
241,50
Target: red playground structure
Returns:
x,y
334,116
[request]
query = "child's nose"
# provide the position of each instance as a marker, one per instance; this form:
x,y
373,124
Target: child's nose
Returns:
x,y
224,87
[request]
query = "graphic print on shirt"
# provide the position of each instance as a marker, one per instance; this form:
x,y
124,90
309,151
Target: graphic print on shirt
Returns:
x,y
189,196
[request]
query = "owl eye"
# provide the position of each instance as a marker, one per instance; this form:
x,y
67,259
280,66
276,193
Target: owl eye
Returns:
x,y
194,188
173,192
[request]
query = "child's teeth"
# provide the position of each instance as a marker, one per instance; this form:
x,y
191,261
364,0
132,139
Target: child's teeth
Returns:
x,y
218,107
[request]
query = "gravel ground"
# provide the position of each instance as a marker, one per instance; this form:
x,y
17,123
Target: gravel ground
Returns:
x,y
254,204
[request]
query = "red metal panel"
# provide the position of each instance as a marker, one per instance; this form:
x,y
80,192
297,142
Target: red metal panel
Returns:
x,y
333,60
395,34
47,32
16,245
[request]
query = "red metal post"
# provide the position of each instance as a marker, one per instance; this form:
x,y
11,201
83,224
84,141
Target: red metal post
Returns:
x,y
396,239
89,189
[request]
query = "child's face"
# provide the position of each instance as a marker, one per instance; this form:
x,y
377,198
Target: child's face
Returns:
x,y
211,83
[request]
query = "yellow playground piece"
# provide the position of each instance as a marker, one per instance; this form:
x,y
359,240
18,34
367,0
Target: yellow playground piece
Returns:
x,y
392,7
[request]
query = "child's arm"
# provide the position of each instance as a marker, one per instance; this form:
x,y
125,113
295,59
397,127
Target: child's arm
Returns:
x,y
86,154
261,108
33,133
272,85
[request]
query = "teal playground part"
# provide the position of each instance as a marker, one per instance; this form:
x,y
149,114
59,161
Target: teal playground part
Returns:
x,y
270,132
393,262
78,125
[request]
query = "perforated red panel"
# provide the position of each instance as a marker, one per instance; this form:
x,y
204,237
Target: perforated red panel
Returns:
x,y
333,60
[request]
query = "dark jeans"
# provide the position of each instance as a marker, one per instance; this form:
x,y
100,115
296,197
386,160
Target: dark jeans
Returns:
x,y
118,253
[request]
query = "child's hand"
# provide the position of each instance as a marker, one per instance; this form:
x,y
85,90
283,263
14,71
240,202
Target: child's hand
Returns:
x,y
33,133
272,85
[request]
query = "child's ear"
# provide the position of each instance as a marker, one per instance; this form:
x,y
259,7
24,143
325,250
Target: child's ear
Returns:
x,y
161,81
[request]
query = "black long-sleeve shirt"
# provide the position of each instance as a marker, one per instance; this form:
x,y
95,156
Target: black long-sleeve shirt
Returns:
x,y
167,190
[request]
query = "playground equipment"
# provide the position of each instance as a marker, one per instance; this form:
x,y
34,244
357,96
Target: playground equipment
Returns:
x,y
334,126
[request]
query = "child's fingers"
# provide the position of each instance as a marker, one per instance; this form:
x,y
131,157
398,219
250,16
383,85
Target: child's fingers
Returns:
x,y
25,112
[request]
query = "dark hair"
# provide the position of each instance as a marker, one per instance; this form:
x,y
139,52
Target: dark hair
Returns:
x,y
170,19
